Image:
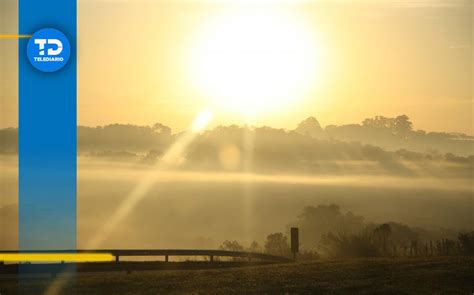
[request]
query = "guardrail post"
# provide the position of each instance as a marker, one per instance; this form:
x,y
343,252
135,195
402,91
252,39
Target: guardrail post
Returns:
x,y
166,258
211,257
117,258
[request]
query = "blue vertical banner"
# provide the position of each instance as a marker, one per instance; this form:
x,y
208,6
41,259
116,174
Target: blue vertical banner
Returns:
x,y
47,125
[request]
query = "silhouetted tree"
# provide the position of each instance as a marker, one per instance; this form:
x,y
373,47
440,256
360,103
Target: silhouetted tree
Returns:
x,y
161,129
254,247
231,246
349,245
379,122
277,244
402,125
315,221
382,233
466,239
310,127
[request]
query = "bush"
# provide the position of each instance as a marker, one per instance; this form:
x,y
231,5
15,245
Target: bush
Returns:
x,y
467,242
277,244
349,245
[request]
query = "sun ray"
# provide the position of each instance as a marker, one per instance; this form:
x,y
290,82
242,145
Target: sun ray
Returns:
x,y
170,159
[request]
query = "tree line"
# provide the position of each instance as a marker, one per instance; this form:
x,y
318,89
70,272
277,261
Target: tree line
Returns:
x,y
327,232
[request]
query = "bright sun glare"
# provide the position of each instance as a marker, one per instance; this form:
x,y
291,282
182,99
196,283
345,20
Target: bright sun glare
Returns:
x,y
255,62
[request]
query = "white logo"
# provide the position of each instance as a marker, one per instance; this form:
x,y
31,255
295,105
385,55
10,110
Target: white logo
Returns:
x,y
48,50
51,51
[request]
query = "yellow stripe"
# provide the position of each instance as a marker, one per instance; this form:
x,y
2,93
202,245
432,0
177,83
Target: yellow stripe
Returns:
x,y
56,257
13,36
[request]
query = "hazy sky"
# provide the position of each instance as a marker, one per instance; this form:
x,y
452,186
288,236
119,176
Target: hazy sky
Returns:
x,y
137,62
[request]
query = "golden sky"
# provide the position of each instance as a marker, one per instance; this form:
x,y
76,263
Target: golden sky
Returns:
x,y
143,62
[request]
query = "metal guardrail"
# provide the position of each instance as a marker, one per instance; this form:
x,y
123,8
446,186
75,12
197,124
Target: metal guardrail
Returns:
x,y
249,258
166,253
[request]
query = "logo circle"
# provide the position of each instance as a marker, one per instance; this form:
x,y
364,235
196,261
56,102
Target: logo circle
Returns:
x,y
48,50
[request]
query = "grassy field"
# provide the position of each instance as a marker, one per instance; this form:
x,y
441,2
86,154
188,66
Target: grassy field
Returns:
x,y
441,275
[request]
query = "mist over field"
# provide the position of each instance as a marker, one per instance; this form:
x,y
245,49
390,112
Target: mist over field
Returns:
x,y
243,183
262,147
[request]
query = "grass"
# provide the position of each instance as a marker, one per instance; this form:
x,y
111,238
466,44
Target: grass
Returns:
x,y
439,275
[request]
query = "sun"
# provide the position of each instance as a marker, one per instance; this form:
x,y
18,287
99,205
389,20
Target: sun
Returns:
x,y
255,62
